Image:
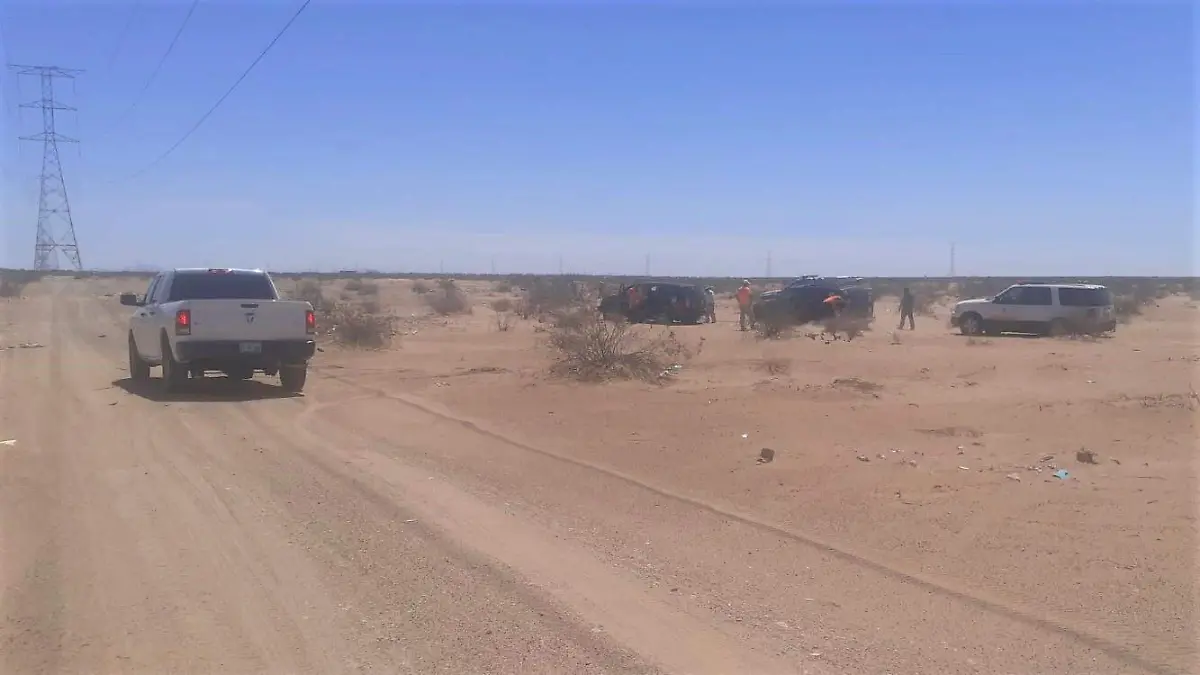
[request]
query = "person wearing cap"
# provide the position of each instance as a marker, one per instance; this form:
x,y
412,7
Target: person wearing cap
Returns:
x,y
744,297
710,297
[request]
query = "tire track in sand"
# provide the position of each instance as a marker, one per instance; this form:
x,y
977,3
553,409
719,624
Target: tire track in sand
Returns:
x,y
1166,660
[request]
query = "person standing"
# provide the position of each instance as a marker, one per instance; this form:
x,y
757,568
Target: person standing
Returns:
x,y
710,310
744,298
907,303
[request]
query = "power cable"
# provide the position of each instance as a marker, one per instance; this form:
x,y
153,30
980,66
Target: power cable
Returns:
x,y
162,60
226,95
112,57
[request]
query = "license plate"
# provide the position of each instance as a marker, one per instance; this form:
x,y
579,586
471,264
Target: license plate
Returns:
x,y
250,347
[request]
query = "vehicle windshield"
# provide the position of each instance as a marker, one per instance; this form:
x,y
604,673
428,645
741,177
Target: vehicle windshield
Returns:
x,y
215,286
1085,297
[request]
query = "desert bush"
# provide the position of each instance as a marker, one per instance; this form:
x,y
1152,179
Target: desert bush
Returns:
x,y
448,299
589,349
13,282
779,327
371,305
312,292
353,325
503,287
1127,307
362,287
11,288
420,287
503,308
776,365
852,326
551,295
504,321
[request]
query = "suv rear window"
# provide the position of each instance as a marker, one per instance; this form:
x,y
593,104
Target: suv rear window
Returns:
x,y
1084,297
217,286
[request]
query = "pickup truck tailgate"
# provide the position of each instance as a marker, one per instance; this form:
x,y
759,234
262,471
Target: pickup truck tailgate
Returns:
x,y
248,320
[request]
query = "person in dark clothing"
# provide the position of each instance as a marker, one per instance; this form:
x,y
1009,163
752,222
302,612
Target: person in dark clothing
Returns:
x,y
907,303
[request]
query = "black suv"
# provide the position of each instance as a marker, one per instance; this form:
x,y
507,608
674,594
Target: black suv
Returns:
x,y
661,303
803,301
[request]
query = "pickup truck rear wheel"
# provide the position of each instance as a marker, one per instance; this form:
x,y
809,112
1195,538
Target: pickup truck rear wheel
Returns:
x,y
174,375
292,377
139,370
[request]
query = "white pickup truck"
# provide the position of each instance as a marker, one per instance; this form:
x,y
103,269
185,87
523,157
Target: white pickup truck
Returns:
x,y
232,321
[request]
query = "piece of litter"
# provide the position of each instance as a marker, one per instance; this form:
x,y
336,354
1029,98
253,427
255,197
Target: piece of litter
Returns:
x,y
745,435
1013,476
964,468
1062,474
411,520
11,441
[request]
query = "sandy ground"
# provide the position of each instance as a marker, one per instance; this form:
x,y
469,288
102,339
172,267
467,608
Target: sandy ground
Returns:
x,y
445,506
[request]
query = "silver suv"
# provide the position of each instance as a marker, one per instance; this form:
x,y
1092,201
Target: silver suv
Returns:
x,y
1043,309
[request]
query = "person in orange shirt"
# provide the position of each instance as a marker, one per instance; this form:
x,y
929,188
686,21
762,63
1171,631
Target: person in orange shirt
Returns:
x,y
836,303
744,298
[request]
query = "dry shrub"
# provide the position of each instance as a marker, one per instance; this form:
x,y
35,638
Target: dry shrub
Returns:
x,y
311,292
503,308
776,365
1127,307
10,288
852,326
551,295
777,327
503,287
448,299
354,285
419,287
589,349
367,288
13,282
353,325
504,322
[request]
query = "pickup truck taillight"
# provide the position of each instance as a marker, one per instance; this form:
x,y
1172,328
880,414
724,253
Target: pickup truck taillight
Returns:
x,y
310,322
183,322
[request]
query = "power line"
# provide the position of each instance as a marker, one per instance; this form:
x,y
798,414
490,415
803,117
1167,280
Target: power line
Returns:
x,y
227,93
112,58
162,60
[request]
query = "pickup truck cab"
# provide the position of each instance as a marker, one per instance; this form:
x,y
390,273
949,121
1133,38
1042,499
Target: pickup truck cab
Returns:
x,y
192,321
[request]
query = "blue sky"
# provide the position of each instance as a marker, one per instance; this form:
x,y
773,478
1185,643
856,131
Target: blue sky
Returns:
x,y
849,138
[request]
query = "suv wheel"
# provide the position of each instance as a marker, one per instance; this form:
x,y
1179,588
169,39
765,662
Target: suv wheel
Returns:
x,y
971,324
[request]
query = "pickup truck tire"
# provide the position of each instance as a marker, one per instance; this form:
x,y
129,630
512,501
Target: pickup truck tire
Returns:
x,y
174,375
139,370
292,378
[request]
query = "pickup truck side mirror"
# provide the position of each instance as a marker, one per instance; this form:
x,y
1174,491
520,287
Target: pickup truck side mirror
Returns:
x,y
130,300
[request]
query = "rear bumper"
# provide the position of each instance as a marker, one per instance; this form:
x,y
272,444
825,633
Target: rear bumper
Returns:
x,y
217,354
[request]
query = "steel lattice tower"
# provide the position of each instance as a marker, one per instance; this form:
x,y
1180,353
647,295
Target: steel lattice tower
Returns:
x,y
55,227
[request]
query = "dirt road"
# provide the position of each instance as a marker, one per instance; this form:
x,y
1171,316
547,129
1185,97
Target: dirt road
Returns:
x,y
233,529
